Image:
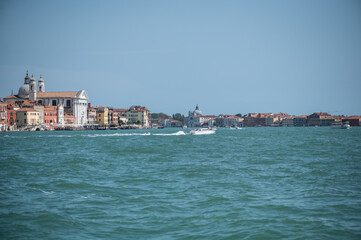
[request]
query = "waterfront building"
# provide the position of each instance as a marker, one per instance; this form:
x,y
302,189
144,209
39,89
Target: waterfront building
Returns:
x,y
258,120
27,117
300,121
40,109
207,120
122,120
219,121
121,112
68,119
50,117
138,114
102,116
313,120
3,116
320,119
197,119
288,122
353,120
211,123
326,120
193,118
72,103
11,119
113,117
232,121
91,114
269,120
155,122
170,122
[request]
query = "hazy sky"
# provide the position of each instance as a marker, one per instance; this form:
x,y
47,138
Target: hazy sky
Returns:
x,y
227,56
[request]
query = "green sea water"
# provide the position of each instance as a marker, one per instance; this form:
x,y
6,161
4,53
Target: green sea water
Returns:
x,y
252,183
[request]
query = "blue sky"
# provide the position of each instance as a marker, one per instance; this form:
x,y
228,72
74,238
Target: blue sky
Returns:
x,y
227,56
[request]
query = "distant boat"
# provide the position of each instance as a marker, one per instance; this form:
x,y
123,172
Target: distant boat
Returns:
x,y
202,131
340,125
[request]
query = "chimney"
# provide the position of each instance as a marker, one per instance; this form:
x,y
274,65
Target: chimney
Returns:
x,y
89,105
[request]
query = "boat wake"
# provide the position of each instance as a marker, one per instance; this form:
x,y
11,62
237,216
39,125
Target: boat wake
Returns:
x,y
170,134
118,134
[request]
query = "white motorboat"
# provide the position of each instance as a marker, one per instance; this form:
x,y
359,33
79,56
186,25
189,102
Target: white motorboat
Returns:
x,y
202,131
340,125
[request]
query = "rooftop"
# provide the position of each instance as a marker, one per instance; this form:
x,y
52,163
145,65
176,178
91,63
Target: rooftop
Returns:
x,y
27,110
56,94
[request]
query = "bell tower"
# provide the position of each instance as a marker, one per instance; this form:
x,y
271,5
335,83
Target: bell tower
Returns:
x,y
41,85
32,90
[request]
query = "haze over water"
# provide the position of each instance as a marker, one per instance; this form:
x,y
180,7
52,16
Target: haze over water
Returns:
x,y
254,183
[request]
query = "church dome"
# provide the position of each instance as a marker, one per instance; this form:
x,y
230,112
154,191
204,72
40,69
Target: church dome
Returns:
x,y
24,91
197,111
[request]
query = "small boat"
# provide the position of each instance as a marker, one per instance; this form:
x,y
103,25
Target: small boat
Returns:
x,y
113,126
202,131
340,125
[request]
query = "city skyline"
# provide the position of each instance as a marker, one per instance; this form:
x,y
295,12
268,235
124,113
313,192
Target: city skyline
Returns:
x,y
229,57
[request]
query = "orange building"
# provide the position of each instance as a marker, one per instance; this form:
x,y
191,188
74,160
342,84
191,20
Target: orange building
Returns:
x,y
354,121
50,117
3,116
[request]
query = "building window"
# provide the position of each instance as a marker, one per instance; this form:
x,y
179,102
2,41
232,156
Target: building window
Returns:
x,y
54,103
68,103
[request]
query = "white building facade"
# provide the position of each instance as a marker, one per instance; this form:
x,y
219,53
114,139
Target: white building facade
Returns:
x,y
73,103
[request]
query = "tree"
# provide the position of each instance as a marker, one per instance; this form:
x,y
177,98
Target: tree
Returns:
x,y
159,115
178,117
239,115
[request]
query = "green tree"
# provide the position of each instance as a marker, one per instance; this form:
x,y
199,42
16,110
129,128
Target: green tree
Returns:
x,y
178,117
159,115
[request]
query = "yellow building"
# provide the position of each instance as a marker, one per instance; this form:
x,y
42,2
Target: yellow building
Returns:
x,y
138,115
27,117
102,116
